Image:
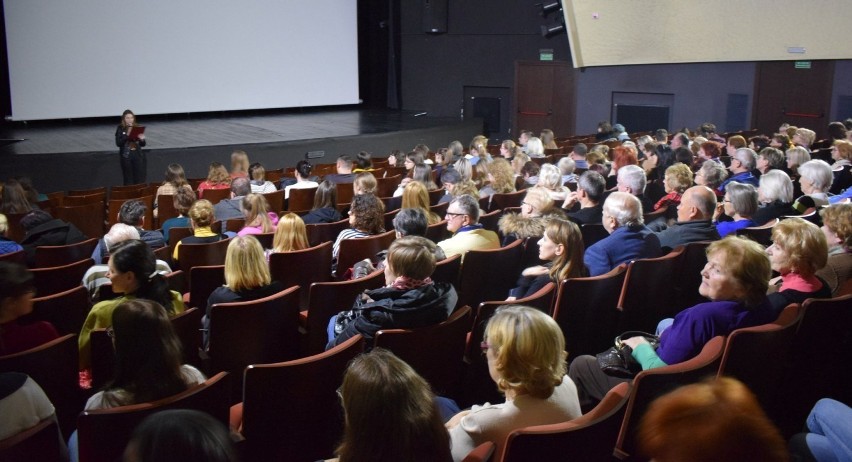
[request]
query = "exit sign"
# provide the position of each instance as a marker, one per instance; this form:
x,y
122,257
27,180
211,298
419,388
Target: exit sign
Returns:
x,y
803,64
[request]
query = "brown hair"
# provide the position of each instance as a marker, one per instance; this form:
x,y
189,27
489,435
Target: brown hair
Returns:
x,y
369,214
412,256
570,263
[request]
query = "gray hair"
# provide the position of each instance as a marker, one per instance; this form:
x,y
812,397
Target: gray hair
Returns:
x,y
625,208
410,222
747,157
120,232
550,177
743,198
776,185
469,205
798,155
534,147
634,177
240,187
774,156
818,172
593,183
714,173
566,165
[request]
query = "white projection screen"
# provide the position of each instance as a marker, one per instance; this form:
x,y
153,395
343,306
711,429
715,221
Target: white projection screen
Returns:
x,y
93,58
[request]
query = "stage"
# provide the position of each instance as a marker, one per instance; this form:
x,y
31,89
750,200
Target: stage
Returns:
x,y
79,154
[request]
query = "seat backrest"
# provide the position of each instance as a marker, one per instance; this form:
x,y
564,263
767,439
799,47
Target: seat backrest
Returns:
x,y
216,195
52,280
59,255
275,200
345,191
648,295
72,200
504,200
586,310
326,299
88,218
103,434
687,278
323,232
440,209
301,198
445,343
19,257
447,270
165,209
177,233
235,224
760,234
354,250
437,232
489,220
186,327
39,443
589,437
481,453
212,254
312,263
489,274
258,331
530,256
650,384
66,310
387,185
291,410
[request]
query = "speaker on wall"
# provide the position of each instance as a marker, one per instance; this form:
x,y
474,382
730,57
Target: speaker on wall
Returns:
x,y
435,16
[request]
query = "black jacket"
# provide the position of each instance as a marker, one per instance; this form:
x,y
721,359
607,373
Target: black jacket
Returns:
x,y
400,309
323,215
684,232
123,144
771,211
54,232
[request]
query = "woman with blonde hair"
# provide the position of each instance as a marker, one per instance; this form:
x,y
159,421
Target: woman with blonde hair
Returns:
x,y
837,227
500,176
799,249
518,161
290,235
507,149
415,196
201,219
422,174
535,148
796,156
526,359
547,139
535,209
550,178
217,178
259,219
677,180
562,248
239,164
259,185
390,413
841,152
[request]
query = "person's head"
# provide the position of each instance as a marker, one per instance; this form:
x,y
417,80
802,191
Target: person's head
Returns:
x,y
133,271
175,175
591,186
443,157
530,169
790,131
562,243
661,135
550,177
841,150
415,195
580,150
566,166
501,175
737,269
180,435
780,141
464,168
758,143
423,174
26,183
775,185
4,224
736,142
326,195
695,145
364,183
798,246
678,178
815,176
14,198
201,213
462,211
410,222
128,118
364,160
537,202
367,214
525,350
507,148
217,174
837,131
120,232
524,137
449,178
707,129
837,225
604,127
684,155
456,150
622,157
710,150
478,145
182,200
709,421
239,162
344,164
17,290
245,265
256,211
132,213
797,156
547,138
424,150
740,200
240,187
621,209
290,234
711,174
521,158
257,173
33,219
413,159
411,258
697,203
631,179
804,137
679,140
303,169
390,413
535,148
148,352
743,160
769,159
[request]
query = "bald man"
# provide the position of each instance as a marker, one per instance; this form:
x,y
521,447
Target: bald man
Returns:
x,y
629,238
694,219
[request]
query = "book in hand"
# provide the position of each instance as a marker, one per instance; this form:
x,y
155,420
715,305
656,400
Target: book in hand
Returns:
x,y
134,132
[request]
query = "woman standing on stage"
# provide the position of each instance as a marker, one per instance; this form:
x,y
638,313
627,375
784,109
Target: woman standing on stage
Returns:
x,y
133,163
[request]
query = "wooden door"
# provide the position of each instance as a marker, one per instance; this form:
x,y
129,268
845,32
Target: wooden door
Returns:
x,y
796,95
544,97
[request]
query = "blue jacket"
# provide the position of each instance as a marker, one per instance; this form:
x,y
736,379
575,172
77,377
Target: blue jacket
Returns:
x,y
623,245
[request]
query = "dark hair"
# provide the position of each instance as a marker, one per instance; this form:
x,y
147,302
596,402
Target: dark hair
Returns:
x,y
580,149
530,168
684,139
684,156
175,175
148,353
127,111
450,175
364,160
712,149
29,190
369,213
326,195
410,222
15,280
132,212
34,218
252,168
304,168
605,127
345,160
665,159
181,435
661,135
837,131
184,197
707,129
14,198
760,142
136,257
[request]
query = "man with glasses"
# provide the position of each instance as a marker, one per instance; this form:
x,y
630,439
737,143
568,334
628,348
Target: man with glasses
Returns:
x,y
463,220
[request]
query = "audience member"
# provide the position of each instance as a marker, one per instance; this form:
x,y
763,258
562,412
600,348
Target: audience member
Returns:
x,y
629,238
796,156
290,235
780,141
827,434
740,203
500,178
363,162
366,218
677,180
344,173
631,179
530,172
566,167
182,201
799,249
837,227
415,196
175,180
325,205
239,165
841,169
258,182
535,209
42,229
775,195
743,161
7,245
97,275
589,195
694,219
815,177
561,246
770,159
468,234
259,219
14,198
17,290
364,183
131,213
201,218
456,186
550,178
233,207
180,435
23,404
578,155
804,137
712,175
303,178
534,147
547,139
217,178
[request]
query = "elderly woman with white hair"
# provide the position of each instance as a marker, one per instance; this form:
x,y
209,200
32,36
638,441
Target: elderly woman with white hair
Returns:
x,y
740,203
567,166
550,178
712,175
775,196
535,148
815,179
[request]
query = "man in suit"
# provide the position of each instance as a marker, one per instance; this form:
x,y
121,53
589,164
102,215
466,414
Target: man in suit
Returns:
x,y
629,238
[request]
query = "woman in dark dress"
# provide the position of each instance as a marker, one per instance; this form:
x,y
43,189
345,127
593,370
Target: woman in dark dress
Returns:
x,y
130,144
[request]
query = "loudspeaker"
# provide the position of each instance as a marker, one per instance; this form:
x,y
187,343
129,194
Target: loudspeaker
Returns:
x,y
435,16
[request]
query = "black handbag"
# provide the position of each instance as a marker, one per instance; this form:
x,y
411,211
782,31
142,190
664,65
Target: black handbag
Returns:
x,y
344,318
618,360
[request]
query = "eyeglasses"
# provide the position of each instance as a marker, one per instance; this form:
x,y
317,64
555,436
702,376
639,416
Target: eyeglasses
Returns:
x,y
453,215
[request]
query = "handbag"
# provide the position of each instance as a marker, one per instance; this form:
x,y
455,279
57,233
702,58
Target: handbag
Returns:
x,y
344,318
618,360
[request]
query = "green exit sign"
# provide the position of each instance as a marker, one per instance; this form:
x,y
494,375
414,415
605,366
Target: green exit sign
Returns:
x,y
803,64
